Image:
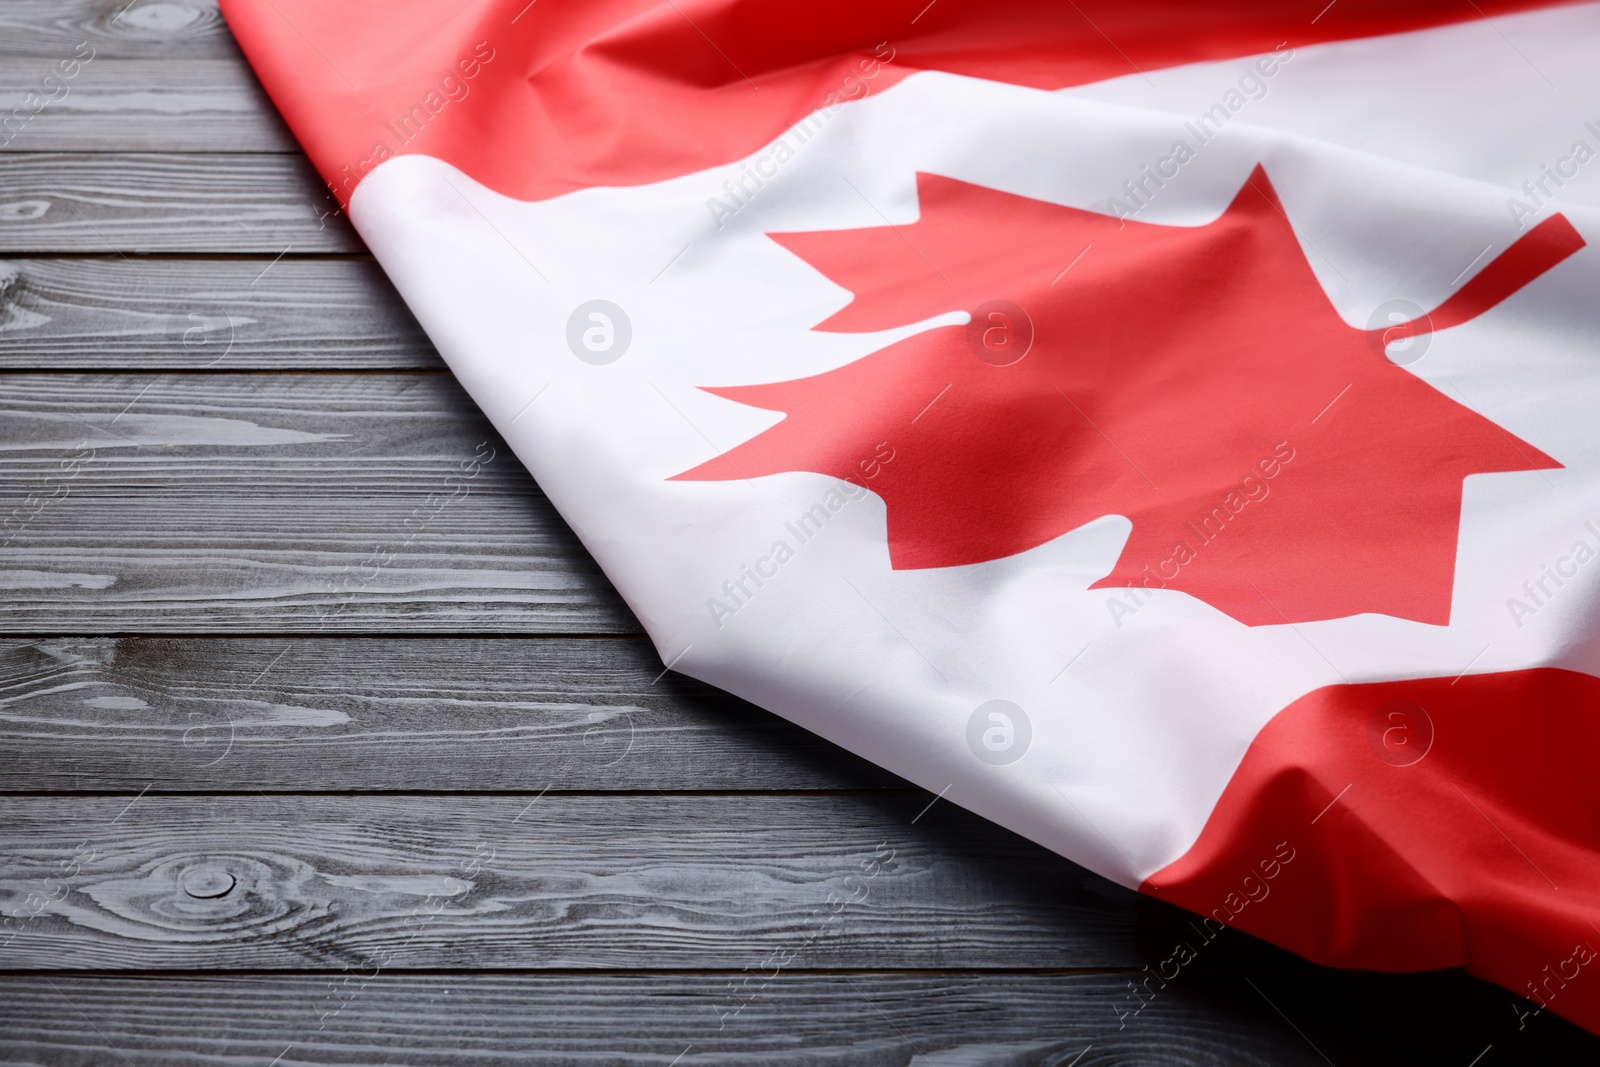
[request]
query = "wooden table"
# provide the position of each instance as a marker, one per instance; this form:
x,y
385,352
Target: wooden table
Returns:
x,y
301,768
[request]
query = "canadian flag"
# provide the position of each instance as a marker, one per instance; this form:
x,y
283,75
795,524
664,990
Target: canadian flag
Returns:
x,y
1165,429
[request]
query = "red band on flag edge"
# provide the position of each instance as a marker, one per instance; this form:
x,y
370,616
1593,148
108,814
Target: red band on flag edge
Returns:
x,y
534,101
1414,825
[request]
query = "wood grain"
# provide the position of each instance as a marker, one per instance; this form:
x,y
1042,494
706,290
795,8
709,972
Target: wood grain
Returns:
x,y
797,1020
342,434
139,105
163,314
240,715
152,202
543,880
314,504
50,29
237,562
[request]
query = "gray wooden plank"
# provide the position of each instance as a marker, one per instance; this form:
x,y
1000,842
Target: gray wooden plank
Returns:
x,y
233,561
542,880
155,202
307,503
137,105
51,29
787,1019
159,314
349,434
797,1020
240,715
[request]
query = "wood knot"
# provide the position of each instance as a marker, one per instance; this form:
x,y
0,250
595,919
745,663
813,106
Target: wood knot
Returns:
x,y
159,20
207,882
201,897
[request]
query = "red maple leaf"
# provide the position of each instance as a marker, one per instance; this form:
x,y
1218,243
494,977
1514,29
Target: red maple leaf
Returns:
x,y
1194,379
